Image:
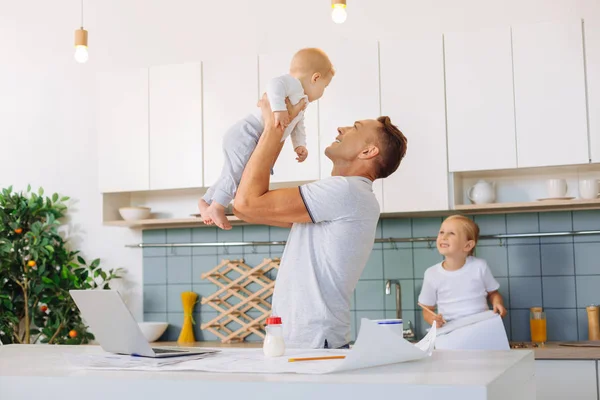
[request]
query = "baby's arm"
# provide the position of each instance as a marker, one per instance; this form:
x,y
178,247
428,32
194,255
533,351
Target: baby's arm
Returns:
x,y
298,136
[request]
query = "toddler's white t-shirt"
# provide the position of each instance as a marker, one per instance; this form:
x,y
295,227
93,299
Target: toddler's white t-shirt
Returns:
x,y
458,293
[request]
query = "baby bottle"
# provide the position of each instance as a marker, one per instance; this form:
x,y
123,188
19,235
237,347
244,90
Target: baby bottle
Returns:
x,y
273,345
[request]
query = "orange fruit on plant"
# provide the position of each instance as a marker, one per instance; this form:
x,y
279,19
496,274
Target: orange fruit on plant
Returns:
x,y
18,231
31,263
72,333
44,308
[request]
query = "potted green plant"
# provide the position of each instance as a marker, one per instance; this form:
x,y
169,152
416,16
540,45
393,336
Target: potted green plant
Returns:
x,y
37,270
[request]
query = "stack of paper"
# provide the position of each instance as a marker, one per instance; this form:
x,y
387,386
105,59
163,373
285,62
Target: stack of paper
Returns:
x,y
483,331
376,345
118,361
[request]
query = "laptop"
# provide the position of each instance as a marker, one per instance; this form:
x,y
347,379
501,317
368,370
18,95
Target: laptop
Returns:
x,y
115,328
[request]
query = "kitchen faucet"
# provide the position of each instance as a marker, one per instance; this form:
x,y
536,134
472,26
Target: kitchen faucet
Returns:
x,y
408,332
388,290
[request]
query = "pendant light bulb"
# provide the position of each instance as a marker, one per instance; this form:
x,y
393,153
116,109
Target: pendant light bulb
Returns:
x,y
81,50
338,11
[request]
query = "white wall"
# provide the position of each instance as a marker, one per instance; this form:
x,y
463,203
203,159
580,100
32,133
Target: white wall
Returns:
x,y
47,134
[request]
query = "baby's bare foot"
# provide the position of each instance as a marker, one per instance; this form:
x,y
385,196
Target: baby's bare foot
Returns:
x,y
203,207
216,213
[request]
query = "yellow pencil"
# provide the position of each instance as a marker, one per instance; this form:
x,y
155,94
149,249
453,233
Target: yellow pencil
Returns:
x,y
430,311
316,358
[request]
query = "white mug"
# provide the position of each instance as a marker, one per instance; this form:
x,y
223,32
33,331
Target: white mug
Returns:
x,y
556,188
589,188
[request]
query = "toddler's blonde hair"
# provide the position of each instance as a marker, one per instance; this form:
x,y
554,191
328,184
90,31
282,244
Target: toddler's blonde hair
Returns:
x,y
469,227
311,60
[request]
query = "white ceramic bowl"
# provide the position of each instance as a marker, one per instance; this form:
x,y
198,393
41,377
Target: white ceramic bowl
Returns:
x,y
395,325
134,213
153,330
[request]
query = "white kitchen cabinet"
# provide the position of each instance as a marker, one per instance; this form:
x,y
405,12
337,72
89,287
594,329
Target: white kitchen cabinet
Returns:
x,y
287,169
175,126
122,128
592,57
480,102
550,101
230,88
412,95
565,379
352,95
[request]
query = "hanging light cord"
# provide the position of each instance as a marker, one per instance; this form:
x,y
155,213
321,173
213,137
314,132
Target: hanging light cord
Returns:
x,y
81,13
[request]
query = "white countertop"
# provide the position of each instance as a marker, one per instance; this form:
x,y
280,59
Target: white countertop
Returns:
x,y
29,369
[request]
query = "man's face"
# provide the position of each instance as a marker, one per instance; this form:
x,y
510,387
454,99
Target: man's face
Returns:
x,y
352,140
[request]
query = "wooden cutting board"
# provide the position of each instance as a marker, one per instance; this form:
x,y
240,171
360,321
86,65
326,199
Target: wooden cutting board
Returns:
x,y
589,343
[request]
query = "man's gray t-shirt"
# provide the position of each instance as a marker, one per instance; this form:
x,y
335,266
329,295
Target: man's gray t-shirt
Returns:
x,y
323,261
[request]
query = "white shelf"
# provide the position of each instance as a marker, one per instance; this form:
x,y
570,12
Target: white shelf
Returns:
x,y
168,223
536,206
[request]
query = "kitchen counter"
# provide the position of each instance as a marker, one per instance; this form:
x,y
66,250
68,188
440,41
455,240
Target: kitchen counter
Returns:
x,y
550,351
42,370
554,351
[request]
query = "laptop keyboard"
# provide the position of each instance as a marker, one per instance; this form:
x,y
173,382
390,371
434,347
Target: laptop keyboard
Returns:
x,y
162,351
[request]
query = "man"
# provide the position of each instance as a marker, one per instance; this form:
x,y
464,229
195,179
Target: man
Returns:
x,y
333,225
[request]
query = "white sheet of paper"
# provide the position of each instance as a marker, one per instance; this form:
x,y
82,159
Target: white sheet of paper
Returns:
x,y
487,334
465,321
376,345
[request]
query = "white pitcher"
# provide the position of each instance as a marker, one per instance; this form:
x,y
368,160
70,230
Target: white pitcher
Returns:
x,y
589,188
482,192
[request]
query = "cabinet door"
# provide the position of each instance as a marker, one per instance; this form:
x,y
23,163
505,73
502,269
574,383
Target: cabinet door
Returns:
x,y
122,123
352,95
230,94
569,379
480,102
412,95
175,126
287,169
550,94
592,57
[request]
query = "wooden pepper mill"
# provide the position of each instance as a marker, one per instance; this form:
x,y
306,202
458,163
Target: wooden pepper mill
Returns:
x,y
593,313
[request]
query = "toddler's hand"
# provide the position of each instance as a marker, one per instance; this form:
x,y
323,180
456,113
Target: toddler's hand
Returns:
x,y
301,152
499,309
282,119
439,321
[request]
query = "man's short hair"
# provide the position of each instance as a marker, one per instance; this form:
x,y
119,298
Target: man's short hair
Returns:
x,y
392,147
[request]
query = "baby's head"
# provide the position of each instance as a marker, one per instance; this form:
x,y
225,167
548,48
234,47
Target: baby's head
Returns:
x,y
458,236
314,70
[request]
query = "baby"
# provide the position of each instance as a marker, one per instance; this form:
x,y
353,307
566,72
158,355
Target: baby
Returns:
x,y
311,72
461,285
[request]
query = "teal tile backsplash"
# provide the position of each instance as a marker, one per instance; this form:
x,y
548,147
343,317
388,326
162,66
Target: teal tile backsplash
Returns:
x,y
561,274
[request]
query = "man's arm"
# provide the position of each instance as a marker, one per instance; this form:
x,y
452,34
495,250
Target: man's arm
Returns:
x,y
262,221
254,200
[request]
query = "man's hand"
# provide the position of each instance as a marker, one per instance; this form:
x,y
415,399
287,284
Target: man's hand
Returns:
x,y
282,119
294,110
302,153
267,114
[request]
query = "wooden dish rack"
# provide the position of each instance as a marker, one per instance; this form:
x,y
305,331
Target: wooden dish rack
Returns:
x,y
235,299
